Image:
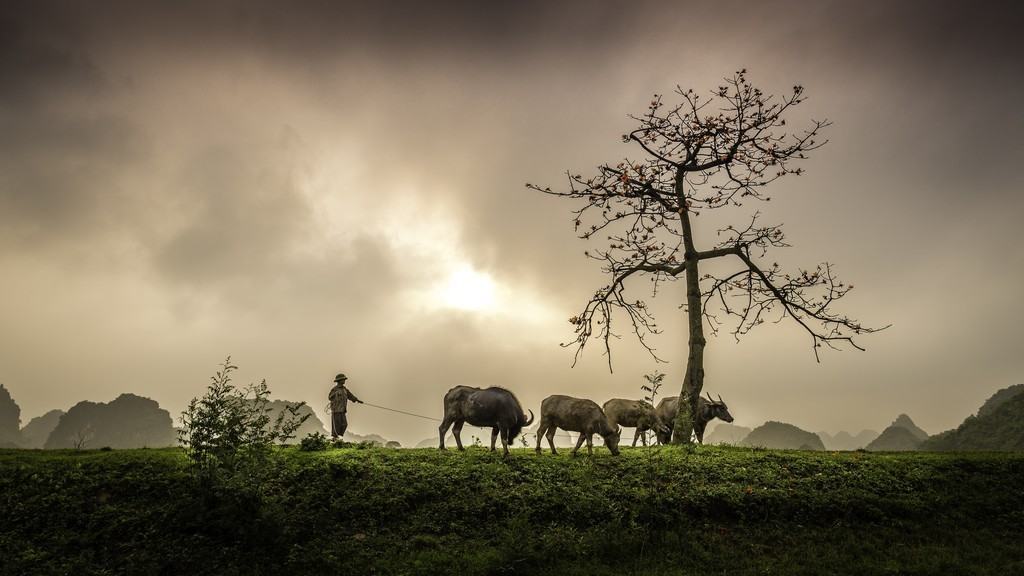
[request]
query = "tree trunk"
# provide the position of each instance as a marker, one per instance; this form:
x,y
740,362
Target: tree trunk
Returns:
x,y
693,381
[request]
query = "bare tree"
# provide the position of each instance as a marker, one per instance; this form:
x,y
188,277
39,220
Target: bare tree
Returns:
x,y
82,437
700,154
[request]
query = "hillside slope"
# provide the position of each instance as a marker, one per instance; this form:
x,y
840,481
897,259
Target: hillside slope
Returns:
x,y
999,398
901,436
1001,428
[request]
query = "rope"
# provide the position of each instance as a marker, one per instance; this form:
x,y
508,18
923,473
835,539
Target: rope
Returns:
x,y
566,434
403,412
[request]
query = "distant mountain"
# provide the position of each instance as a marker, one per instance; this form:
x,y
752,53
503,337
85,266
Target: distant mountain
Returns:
x,y
1000,428
128,421
375,439
904,421
783,436
10,420
843,440
895,439
38,429
902,435
725,433
310,426
999,398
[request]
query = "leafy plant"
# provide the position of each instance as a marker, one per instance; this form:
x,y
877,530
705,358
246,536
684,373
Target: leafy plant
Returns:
x,y
650,390
228,433
315,442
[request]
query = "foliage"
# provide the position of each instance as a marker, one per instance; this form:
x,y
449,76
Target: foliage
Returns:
x,y
999,398
377,511
315,442
650,390
1001,428
228,433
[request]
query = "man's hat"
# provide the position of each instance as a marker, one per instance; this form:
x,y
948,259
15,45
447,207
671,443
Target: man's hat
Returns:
x,y
340,378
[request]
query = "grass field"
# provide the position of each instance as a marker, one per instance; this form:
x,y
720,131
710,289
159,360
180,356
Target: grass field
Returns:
x,y
706,510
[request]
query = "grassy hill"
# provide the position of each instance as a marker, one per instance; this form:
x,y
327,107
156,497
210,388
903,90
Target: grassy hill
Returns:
x,y
376,511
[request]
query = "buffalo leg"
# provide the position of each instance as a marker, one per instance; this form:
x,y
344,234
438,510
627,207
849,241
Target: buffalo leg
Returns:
x,y
494,436
540,434
442,430
457,432
504,440
637,435
579,443
551,438
590,444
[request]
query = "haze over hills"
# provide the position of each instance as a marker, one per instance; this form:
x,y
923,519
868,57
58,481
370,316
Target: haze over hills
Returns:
x,y
843,440
38,429
780,435
726,433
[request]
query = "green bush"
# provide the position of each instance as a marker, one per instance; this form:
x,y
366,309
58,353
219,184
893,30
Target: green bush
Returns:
x,y
315,442
228,434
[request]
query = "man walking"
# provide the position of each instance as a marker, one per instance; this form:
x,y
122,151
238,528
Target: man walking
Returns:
x,y
339,397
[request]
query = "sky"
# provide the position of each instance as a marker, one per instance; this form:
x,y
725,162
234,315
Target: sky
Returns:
x,y
328,187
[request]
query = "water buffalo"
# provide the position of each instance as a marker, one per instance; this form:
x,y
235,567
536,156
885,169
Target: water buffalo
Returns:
x,y
633,414
494,408
707,410
576,415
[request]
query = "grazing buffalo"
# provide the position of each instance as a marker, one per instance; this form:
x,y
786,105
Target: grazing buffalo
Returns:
x,y
707,410
576,415
494,408
633,414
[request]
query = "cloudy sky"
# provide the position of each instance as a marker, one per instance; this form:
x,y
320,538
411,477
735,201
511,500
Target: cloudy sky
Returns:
x,y
334,187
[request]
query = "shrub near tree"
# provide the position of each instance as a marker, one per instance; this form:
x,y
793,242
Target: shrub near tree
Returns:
x,y
229,434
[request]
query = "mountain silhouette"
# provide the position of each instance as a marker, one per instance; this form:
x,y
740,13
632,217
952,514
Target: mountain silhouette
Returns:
x,y
994,428
10,420
38,429
783,436
128,421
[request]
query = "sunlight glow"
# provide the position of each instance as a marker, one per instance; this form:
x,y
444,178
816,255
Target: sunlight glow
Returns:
x,y
467,289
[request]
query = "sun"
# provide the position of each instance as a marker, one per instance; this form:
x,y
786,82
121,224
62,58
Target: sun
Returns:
x,y
467,289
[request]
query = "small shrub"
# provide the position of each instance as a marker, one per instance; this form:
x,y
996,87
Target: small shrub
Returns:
x,y
228,434
315,442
